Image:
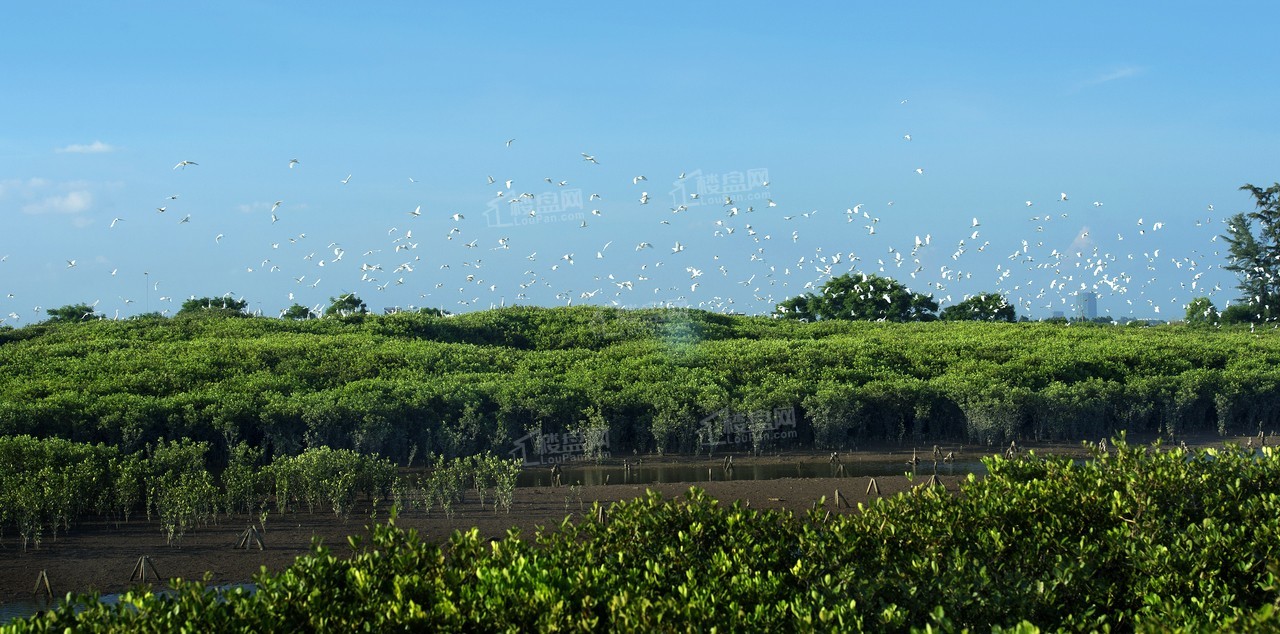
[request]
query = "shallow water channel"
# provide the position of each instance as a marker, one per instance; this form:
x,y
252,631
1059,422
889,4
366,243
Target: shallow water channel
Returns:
x,y
23,609
651,473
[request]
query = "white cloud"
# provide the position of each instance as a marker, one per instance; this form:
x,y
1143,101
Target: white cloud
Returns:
x,y
97,147
37,196
72,202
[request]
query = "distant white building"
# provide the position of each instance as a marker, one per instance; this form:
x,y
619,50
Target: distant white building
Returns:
x,y
1087,305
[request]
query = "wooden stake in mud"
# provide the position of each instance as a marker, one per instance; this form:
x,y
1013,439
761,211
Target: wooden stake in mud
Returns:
x,y
872,486
249,537
42,586
600,516
140,570
935,482
841,499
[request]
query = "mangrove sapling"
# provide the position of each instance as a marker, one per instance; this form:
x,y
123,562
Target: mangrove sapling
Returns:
x,y
575,493
506,473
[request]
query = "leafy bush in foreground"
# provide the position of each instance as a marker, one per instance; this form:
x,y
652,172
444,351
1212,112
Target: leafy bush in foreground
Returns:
x,y
1137,539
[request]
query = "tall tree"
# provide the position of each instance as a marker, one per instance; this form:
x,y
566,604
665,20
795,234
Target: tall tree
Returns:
x,y
345,305
72,312
297,312
858,296
983,307
215,306
1255,257
1201,311
799,307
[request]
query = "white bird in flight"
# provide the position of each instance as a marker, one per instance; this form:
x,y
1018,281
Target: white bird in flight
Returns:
x,y
184,164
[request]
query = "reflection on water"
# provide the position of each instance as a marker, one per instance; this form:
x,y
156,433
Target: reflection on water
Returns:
x,y
578,473
23,609
20,610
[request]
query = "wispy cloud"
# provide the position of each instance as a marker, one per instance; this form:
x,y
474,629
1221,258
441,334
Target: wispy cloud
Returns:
x,y
246,208
1082,243
1116,74
97,147
16,186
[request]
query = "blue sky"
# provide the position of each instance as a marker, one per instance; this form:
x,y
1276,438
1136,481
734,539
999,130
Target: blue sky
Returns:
x,y
1154,111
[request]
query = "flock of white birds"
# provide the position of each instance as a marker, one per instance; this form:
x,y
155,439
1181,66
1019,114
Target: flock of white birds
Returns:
x,y
751,252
